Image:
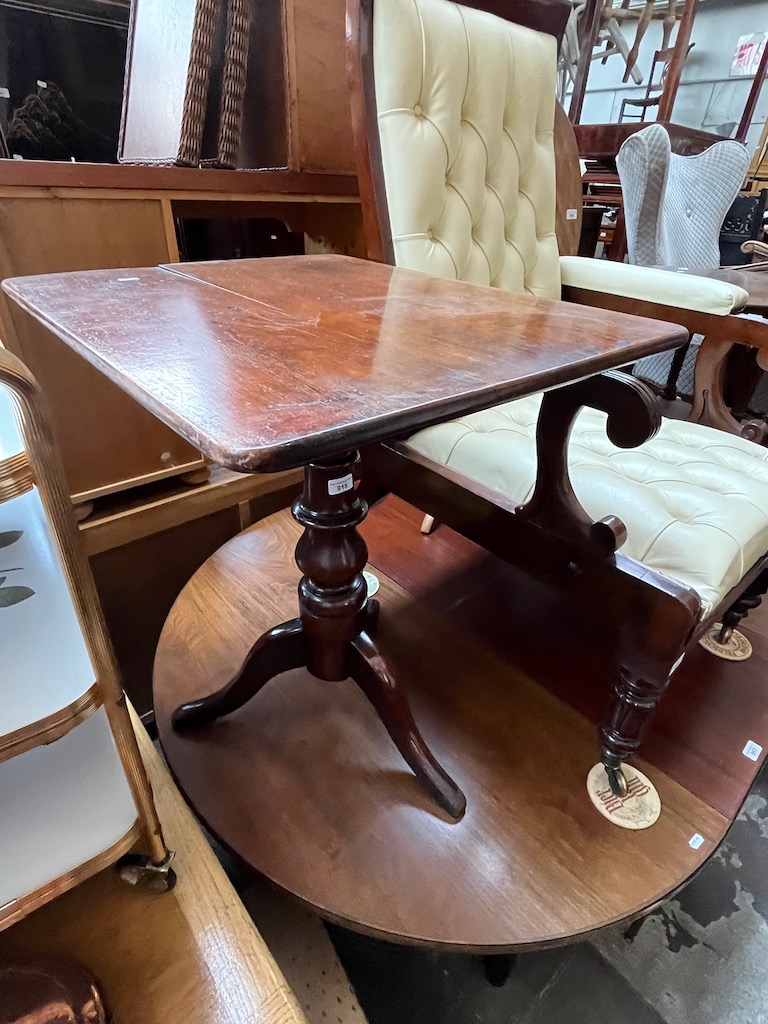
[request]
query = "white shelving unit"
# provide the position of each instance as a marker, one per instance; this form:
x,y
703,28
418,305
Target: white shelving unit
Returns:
x,y
61,806
73,793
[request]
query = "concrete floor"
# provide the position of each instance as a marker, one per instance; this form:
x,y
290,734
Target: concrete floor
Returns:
x,y
702,958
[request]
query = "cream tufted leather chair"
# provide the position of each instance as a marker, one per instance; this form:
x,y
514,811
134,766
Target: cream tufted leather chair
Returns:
x,y
454,110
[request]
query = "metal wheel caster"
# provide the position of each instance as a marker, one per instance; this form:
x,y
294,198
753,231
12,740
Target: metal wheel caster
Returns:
x,y
138,870
724,635
617,780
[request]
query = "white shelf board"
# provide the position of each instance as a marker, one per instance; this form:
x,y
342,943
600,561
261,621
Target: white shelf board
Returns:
x,y
61,805
44,663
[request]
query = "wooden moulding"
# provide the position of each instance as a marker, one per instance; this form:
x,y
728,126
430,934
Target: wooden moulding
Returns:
x,y
224,183
52,727
15,477
115,528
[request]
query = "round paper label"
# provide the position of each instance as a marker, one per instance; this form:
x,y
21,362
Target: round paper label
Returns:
x,y
640,808
372,582
738,648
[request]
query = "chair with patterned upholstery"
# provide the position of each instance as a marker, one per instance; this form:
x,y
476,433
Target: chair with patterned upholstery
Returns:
x,y
453,108
674,208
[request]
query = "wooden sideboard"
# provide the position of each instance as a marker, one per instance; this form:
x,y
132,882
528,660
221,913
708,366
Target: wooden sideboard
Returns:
x,y
58,217
603,141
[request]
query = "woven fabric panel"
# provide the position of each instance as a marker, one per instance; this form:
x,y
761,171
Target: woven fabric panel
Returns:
x,y
198,77
674,208
655,369
233,83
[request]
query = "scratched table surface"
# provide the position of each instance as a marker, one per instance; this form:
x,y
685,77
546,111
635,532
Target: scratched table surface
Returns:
x,y
266,364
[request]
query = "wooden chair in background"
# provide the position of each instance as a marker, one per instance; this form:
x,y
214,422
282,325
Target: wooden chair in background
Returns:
x,y
654,90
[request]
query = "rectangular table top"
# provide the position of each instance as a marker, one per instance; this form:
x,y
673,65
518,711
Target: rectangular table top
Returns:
x,y
267,364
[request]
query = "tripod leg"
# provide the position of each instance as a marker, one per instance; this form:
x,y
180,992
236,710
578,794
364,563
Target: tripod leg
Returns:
x,y
373,675
276,651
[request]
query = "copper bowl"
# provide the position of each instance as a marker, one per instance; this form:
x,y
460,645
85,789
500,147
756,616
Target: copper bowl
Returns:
x,y
49,991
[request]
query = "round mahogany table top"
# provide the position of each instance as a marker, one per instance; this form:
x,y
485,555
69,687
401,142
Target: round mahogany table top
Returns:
x,y
304,785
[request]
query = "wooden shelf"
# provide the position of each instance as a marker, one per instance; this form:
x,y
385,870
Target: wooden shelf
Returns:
x,y
62,819
51,174
132,515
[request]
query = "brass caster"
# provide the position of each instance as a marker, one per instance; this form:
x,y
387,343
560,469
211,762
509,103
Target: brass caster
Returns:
x,y
617,780
135,869
196,477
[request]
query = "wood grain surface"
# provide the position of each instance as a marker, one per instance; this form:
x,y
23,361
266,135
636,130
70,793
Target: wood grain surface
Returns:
x,y
56,174
569,198
304,785
266,364
603,141
191,956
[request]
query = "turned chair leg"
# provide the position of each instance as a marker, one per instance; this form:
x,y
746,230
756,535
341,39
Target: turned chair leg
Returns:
x,y
622,729
749,600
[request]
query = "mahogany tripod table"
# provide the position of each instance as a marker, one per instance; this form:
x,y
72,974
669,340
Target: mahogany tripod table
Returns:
x,y
268,365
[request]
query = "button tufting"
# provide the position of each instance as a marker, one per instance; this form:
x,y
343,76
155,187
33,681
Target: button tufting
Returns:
x,y
417,110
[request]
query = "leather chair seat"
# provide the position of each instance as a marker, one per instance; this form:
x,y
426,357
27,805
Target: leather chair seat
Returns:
x,y
694,500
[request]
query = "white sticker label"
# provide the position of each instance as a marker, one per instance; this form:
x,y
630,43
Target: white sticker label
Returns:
x,y
43,85
695,841
571,214
752,750
343,483
4,94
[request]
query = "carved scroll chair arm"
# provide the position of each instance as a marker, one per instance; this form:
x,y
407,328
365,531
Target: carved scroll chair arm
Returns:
x,y
722,329
552,540
633,418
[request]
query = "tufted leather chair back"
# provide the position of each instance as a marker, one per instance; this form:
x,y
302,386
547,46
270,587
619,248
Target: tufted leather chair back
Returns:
x,y
461,104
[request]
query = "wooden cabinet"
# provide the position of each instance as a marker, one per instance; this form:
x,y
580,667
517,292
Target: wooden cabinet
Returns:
x,y
297,112
321,123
